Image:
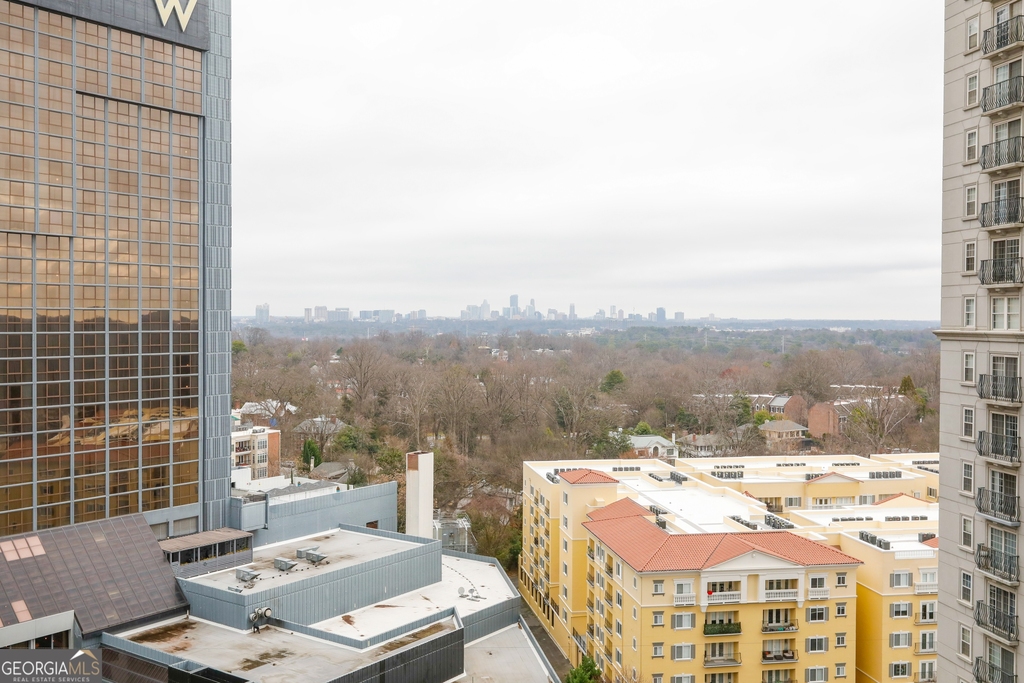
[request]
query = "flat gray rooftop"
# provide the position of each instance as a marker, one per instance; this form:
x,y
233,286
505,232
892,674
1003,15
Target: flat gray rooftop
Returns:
x,y
272,655
504,657
342,548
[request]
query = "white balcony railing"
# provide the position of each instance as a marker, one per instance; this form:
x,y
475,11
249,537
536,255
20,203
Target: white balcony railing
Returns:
x,y
921,588
781,595
685,599
724,597
817,593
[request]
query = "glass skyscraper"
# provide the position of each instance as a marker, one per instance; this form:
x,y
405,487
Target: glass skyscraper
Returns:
x,y
114,263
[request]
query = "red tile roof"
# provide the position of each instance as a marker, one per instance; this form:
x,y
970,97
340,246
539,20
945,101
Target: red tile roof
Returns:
x,y
587,476
932,542
647,548
624,507
823,477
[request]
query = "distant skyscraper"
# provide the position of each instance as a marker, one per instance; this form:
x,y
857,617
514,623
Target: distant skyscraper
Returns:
x,y
661,315
116,344
611,311
572,311
263,314
485,310
320,314
679,316
513,303
308,315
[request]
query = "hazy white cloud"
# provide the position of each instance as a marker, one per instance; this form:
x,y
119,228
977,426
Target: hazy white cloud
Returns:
x,y
728,158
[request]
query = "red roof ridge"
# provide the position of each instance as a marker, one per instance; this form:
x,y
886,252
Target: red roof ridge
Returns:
x,y
585,475
624,507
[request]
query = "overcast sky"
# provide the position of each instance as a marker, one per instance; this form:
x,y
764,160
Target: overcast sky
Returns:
x,y
750,159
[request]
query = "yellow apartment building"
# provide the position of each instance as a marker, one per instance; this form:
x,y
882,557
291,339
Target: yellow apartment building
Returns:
x,y
715,608
897,586
562,584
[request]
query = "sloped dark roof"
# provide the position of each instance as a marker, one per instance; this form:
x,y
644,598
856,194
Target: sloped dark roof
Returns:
x,y
110,572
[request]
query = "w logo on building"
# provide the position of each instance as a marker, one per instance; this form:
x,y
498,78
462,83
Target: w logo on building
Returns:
x,y
165,7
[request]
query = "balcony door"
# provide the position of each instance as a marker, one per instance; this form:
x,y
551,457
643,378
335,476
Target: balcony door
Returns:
x,y
1004,542
1006,249
1003,484
1004,72
1004,427
1006,190
776,617
1002,659
1007,12
1002,601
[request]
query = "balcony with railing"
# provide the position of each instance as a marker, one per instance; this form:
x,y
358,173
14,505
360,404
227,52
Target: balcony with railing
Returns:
x,y
1002,272
1003,95
817,593
590,606
997,622
997,563
684,599
783,657
998,507
1002,213
1003,37
729,659
781,595
997,157
926,587
925,618
924,648
990,673
768,678
722,629
590,579
999,447
925,676
786,626
724,597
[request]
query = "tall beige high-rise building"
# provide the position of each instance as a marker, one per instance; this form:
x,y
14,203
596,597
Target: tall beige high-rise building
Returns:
x,y
982,340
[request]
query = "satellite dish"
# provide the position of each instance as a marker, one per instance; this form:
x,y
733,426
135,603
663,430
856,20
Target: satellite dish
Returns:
x,y
462,592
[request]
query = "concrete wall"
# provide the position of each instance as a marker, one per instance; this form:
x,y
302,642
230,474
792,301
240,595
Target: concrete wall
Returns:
x,y
278,522
433,661
326,594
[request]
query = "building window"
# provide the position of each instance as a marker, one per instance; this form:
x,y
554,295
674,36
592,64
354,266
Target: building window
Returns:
x,y
565,591
618,599
971,201
866,499
816,614
840,609
967,481
841,670
565,569
683,678
618,627
899,639
965,641
793,502
634,613
840,640
966,586
565,522
565,498
928,641
657,678
634,645
618,569
659,650
899,669
817,674
840,579
1005,312
969,311
818,581
900,580
659,618
565,545
968,375
659,587
968,423
618,656
973,33
966,532
683,652
684,621
899,610
971,144
817,644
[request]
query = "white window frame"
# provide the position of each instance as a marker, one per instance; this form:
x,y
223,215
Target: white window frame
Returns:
x,y
969,368
899,669
966,587
565,498
900,639
970,256
817,674
967,477
973,38
966,531
840,609
684,621
658,650
682,652
967,423
659,619
840,579
821,641
659,587
970,201
841,670
1003,312
819,579
972,83
841,639
970,311
901,579
971,146
966,642
900,610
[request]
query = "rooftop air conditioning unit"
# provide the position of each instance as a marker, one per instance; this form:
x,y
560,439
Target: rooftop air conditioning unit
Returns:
x,y
301,552
283,563
315,557
246,575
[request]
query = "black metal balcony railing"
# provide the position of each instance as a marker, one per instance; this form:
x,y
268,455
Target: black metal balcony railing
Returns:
x,y
1002,153
1003,94
995,620
998,505
990,673
999,388
718,629
997,563
998,446
1002,212
1003,35
1001,271
790,625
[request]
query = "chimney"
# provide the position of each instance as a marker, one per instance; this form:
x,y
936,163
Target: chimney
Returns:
x,y
419,494
673,437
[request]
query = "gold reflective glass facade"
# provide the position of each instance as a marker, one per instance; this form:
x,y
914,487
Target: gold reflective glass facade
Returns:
x,y
99,271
